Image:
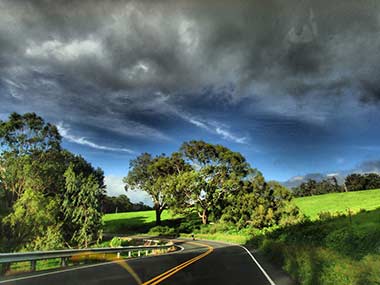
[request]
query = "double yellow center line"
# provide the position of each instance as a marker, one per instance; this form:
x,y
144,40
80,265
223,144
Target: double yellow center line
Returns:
x,y
179,267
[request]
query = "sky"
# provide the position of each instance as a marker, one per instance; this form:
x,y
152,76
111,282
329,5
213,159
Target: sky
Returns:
x,y
292,85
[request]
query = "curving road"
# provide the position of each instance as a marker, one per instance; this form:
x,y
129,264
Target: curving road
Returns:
x,y
199,262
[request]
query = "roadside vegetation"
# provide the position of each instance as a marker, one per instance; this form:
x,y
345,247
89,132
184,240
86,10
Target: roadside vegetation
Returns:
x,y
336,242
50,198
334,249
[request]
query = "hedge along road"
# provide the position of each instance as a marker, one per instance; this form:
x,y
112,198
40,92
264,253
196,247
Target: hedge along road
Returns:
x,y
202,262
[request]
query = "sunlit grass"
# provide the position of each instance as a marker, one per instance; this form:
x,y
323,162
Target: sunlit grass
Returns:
x,y
339,202
134,221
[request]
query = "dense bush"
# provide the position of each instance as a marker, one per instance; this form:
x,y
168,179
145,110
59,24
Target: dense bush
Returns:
x,y
318,265
189,225
259,204
115,242
337,249
162,231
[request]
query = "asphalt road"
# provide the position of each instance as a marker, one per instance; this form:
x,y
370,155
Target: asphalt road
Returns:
x,y
199,263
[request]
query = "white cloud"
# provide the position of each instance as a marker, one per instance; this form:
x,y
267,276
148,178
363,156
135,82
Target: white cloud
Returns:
x,y
65,51
83,141
227,135
297,178
216,129
115,187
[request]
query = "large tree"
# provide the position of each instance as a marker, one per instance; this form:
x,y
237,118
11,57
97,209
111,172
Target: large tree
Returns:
x,y
82,208
260,204
215,172
27,145
153,175
32,167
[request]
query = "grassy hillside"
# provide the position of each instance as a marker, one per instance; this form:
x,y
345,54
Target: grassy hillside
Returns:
x,y
339,202
134,221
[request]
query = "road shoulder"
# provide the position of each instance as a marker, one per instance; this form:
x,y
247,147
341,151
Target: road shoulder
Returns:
x,y
278,275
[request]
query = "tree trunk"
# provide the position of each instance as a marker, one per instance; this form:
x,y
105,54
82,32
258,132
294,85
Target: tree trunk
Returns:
x,y
158,216
204,217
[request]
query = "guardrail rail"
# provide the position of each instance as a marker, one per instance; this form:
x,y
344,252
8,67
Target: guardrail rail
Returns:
x,y
6,259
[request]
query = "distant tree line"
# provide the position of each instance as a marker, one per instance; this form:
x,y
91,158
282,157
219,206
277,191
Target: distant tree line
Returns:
x,y
313,187
213,182
356,182
353,182
122,203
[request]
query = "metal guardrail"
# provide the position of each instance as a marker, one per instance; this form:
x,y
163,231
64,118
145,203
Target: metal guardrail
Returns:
x,y
64,255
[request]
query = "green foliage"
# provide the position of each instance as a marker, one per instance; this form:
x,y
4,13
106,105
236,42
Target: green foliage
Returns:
x,y
33,222
357,182
337,250
49,240
216,171
116,242
189,224
28,133
259,204
38,211
213,182
153,175
312,187
162,231
81,207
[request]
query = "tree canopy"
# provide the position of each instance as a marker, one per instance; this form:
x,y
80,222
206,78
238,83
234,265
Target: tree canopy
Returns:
x,y
40,209
153,175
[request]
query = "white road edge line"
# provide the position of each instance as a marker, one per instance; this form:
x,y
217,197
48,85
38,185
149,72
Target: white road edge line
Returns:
x,y
258,265
250,254
78,268
57,272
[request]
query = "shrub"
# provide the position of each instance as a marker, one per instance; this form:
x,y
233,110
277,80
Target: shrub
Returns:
x,y
116,242
189,226
162,231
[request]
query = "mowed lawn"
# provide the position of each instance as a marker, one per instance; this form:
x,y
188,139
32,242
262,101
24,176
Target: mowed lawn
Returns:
x,y
134,221
339,202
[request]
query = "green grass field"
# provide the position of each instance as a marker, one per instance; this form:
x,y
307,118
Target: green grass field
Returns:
x,y
339,202
134,222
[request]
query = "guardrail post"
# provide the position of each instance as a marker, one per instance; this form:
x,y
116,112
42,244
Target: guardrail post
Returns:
x,y
146,252
129,254
33,265
138,253
118,255
63,261
4,268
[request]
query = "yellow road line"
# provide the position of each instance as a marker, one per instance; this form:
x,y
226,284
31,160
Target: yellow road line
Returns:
x,y
179,267
123,263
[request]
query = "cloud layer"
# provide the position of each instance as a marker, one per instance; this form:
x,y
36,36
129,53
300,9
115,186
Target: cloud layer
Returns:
x,y
279,76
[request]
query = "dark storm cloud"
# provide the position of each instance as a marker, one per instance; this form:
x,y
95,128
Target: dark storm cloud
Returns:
x,y
133,66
